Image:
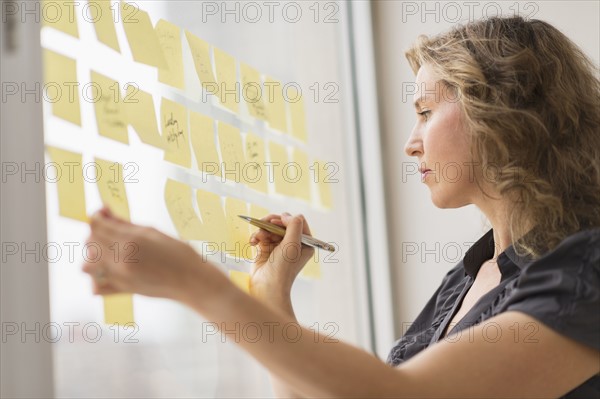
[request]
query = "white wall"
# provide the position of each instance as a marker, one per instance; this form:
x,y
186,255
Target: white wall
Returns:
x,y
412,216
26,361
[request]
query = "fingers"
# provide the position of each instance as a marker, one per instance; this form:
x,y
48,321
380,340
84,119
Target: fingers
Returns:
x,y
101,255
105,220
105,211
264,236
294,228
261,235
104,227
264,249
270,217
277,219
286,218
293,250
100,279
105,289
267,237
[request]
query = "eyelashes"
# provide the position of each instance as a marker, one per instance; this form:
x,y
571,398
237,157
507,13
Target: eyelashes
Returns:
x,y
424,114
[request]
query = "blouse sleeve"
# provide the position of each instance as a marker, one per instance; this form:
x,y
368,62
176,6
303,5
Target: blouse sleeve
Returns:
x,y
562,289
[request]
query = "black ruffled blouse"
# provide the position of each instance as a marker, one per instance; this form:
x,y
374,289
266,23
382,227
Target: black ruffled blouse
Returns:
x,y
561,289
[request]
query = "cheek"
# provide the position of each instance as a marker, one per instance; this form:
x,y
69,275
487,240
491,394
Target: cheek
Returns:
x,y
441,144
448,152
449,139
445,139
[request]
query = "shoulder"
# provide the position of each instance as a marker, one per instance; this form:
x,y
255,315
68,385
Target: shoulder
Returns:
x,y
582,246
578,253
562,288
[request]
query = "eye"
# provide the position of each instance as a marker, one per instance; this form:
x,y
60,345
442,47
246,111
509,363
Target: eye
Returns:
x,y
424,114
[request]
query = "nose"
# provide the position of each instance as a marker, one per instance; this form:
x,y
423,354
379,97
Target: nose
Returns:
x,y
414,145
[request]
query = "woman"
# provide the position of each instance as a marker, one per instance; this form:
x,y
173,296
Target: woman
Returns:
x,y
514,103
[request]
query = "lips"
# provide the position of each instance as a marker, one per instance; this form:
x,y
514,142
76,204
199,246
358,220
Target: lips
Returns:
x,y
424,172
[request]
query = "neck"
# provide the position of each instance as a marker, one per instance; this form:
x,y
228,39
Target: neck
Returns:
x,y
496,212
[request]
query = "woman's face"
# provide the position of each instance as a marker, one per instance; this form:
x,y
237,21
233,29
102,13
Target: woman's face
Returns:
x,y
441,144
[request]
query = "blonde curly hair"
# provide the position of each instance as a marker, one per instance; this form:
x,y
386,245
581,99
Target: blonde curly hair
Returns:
x,y
530,99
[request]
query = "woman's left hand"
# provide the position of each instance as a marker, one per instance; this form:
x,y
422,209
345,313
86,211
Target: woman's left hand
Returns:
x,y
124,257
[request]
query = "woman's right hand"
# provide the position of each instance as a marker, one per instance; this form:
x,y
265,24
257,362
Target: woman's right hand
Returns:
x,y
279,260
277,263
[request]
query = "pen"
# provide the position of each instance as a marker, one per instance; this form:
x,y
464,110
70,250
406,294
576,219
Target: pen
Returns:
x,y
280,231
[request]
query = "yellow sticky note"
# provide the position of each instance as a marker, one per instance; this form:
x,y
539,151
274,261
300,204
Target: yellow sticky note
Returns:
x,y
201,56
252,92
277,116
118,309
257,212
59,14
279,161
174,131
69,179
60,75
170,43
102,17
213,218
255,172
241,280
237,243
110,112
325,178
227,80
141,115
178,198
232,152
312,269
142,38
112,187
203,143
298,175
297,114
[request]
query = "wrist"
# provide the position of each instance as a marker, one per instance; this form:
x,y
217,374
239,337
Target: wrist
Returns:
x,y
275,293
275,297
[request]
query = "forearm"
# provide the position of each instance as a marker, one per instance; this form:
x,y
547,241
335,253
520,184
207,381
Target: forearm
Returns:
x,y
299,356
282,389
280,299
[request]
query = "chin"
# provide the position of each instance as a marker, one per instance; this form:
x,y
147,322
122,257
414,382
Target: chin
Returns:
x,y
448,199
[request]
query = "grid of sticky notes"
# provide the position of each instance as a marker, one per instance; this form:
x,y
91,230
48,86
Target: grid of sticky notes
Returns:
x,y
219,148
273,161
